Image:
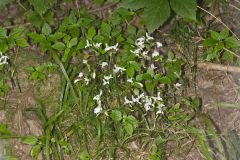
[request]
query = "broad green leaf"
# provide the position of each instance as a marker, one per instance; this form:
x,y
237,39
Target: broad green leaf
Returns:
x,y
224,33
132,120
3,33
157,12
36,150
232,42
56,36
135,4
130,71
185,8
59,46
3,128
91,33
116,115
41,6
81,44
46,29
105,29
128,128
30,140
73,42
209,42
165,80
215,35
16,32
22,42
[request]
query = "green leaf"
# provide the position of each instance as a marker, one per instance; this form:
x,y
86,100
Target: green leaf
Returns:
x,y
130,71
134,4
156,14
4,2
81,44
59,46
116,115
3,128
105,29
36,150
224,33
232,42
165,80
128,128
22,42
56,36
3,33
91,33
209,42
41,6
73,42
132,120
185,8
30,140
46,29
215,35
16,32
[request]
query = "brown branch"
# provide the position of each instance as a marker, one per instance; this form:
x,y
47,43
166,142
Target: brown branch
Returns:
x,y
218,67
102,8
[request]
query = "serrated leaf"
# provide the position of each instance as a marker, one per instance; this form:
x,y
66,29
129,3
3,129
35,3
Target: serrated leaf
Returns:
x,y
73,42
116,115
134,4
128,128
105,29
36,150
30,140
215,35
232,42
41,6
156,14
46,29
91,33
22,42
59,46
185,8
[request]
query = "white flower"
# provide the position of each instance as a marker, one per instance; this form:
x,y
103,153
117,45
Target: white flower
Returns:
x,y
140,84
145,53
118,69
148,103
3,59
136,51
87,44
160,109
159,44
153,66
159,98
136,100
108,48
104,64
178,85
130,80
87,80
85,61
155,54
140,42
94,75
80,75
98,97
149,37
97,45
76,80
126,101
98,110
106,79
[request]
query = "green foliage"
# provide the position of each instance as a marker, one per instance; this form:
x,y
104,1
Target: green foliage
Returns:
x,y
221,45
41,6
157,12
3,3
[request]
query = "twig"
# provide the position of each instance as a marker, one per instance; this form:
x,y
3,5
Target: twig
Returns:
x,y
219,67
102,8
14,26
219,20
